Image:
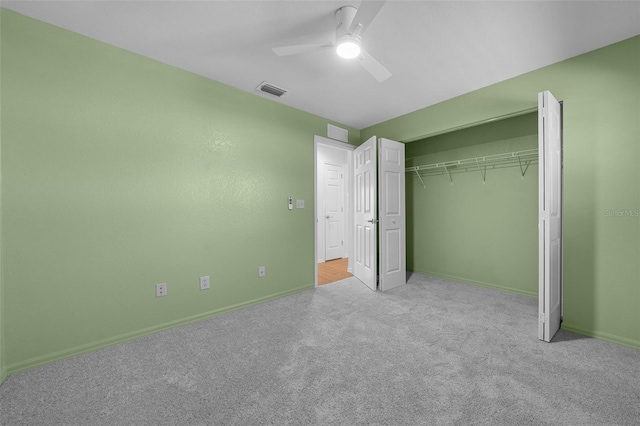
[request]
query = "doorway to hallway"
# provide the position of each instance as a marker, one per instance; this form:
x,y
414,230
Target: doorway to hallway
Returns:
x,y
333,270
333,209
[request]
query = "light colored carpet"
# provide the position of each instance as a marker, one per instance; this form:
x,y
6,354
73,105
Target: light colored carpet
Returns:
x,y
433,352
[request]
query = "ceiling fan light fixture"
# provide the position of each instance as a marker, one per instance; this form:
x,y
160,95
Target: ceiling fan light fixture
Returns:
x,y
348,47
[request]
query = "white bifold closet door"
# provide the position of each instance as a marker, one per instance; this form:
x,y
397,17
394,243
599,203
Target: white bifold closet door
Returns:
x,y
380,189
391,210
550,218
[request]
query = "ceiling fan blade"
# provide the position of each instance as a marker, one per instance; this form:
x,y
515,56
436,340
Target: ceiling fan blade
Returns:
x,y
366,13
298,48
375,68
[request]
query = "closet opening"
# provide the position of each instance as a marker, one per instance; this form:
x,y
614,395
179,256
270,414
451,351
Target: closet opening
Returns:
x,y
473,198
472,210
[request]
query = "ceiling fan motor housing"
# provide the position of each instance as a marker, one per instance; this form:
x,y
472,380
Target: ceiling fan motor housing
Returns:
x,y
344,19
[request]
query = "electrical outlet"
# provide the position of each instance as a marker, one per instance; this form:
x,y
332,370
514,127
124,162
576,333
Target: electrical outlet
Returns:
x,y
262,271
300,204
205,283
161,289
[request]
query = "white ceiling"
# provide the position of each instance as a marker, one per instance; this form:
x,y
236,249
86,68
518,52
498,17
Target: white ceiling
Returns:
x,y
436,50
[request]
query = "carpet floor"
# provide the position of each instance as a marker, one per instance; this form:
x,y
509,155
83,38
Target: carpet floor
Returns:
x,y
433,352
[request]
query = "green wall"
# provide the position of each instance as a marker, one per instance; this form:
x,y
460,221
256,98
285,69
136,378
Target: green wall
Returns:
x,y
483,231
120,172
601,94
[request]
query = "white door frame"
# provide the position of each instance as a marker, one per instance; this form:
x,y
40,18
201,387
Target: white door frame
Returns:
x,y
319,141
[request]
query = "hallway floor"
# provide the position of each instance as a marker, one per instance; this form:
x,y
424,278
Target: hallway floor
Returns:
x,y
333,270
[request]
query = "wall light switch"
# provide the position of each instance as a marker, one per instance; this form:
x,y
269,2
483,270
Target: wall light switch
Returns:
x,y
300,204
262,271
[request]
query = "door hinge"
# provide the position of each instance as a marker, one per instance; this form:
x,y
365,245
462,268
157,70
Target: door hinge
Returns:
x,y
341,243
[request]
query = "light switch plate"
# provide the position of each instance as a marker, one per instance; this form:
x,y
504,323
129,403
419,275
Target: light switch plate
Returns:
x,y
300,204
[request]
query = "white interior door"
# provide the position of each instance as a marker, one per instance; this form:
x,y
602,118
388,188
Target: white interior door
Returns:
x,y
365,182
550,222
391,211
334,211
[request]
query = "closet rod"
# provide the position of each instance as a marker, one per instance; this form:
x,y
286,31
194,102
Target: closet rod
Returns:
x,y
518,156
523,159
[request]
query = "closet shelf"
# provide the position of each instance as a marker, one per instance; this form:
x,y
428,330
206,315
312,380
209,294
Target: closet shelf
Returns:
x,y
523,159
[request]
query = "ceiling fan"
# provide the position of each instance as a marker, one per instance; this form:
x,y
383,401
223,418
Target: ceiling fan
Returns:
x,y
351,23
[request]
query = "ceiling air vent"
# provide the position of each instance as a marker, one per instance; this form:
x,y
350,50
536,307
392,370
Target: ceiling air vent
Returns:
x,y
271,89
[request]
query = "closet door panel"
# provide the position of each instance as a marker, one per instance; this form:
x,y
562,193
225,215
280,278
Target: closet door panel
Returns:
x,y
393,270
550,223
365,178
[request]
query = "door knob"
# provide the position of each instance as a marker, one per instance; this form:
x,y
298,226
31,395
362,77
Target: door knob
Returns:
x,y
373,221
327,217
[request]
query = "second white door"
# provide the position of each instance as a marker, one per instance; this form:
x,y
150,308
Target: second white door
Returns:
x,y
391,210
334,211
550,223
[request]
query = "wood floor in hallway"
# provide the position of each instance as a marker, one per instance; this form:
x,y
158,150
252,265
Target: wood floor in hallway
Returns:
x,y
333,270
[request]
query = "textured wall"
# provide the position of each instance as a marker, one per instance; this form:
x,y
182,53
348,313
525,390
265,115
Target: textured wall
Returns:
x,y
121,172
601,94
